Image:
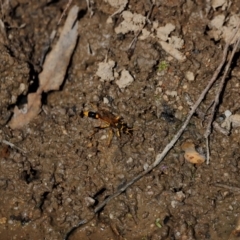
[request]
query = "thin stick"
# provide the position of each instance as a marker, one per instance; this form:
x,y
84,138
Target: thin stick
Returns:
x,y
160,156
134,41
89,8
12,145
201,115
64,11
216,101
227,187
208,150
220,89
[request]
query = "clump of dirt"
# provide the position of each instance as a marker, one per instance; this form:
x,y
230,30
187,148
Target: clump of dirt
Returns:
x,y
56,169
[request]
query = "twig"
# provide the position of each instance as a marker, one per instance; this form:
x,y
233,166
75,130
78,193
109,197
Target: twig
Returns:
x,y
134,41
235,189
89,8
12,146
221,85
64,11
160,156
201,115
217,127
216,101
207,150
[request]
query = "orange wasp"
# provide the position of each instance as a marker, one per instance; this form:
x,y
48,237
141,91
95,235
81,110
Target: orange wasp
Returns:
x,y
111,121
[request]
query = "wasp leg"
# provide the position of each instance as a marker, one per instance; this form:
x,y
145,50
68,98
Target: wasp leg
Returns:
x,y
130,131
110,136
104,126
118,133
118,117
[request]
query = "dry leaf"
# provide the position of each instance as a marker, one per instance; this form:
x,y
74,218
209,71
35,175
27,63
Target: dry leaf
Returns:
x,y
54,70
191,155
23,116
56,63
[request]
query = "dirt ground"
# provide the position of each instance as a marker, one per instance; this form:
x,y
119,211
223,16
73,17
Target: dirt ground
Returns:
x,y
61,165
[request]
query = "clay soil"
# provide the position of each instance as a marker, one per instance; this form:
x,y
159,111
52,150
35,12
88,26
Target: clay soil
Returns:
x,y
61,167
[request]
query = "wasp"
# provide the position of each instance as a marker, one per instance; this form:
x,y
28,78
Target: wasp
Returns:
x,y
111,121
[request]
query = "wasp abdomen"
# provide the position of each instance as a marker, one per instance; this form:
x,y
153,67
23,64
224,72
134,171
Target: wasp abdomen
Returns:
x,y
91,114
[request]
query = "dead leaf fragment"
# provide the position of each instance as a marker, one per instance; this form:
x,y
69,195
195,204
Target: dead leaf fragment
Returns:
x,y
191,155
21,117
54,70
55,66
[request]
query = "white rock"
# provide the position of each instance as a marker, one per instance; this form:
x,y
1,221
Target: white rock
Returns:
x,y
145,166
109,20
227,113
132,22
230,28
103,137
171,93
145,34
176,42
217,22
105,100
116,3
22,87
125,80
163,32
155,24
189,76
105,70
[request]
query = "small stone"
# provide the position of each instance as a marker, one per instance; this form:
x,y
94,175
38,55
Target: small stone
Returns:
x,y
189,76
105,70
125,80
